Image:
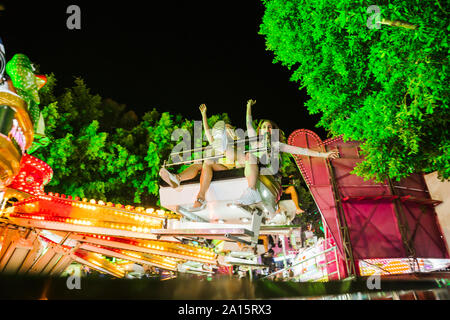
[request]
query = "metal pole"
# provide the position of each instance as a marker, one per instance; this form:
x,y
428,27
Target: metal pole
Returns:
x,y
316,264
323,267
65,238
283,245
337,264
299,263
3,202
210,147
346,241
210,158
401,222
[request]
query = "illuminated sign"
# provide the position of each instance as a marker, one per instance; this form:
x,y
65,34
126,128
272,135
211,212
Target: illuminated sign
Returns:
x,y
370,267
17,135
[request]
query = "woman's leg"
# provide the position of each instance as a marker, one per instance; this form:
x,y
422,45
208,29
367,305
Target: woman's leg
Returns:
x,y
241,160
206,177
294,196
251,170
190,172
250,195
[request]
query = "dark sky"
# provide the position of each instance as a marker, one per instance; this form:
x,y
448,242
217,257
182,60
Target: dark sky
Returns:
x,y
171,56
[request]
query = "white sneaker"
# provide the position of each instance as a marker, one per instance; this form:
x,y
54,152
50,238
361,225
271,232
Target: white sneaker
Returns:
x,y
200,208
174,182
249,197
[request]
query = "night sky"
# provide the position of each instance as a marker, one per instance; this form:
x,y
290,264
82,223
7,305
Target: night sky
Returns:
x,y
171,56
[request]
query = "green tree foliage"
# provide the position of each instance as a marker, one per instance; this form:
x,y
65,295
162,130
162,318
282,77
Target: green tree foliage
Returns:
x,y
386,87
101,150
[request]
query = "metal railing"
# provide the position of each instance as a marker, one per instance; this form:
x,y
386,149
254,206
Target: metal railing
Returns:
x,y
266,148
319,266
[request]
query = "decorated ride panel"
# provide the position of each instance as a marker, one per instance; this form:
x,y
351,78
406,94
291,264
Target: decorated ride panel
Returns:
x,y
16,134
317,176
226,187
58,212
384,220
34,174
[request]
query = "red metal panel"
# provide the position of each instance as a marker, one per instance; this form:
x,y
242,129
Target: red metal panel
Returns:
x,y
372,223
317,176
424,231
372,210
373,229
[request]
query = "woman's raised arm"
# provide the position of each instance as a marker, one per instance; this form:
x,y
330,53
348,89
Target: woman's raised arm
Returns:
x,y
249,121
205,123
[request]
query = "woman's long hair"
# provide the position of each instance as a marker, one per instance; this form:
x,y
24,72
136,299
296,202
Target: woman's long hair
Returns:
x,y
274,126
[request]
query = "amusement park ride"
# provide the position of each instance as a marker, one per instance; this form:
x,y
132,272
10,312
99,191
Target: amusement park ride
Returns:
x,y
368,225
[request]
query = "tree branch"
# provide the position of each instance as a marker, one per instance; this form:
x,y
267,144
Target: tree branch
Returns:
x,y
397,23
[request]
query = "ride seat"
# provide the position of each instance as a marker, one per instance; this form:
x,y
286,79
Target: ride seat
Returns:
x,y
226,187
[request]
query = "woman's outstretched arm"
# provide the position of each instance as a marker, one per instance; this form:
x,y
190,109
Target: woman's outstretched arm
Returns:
x,y
307,152
205,123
